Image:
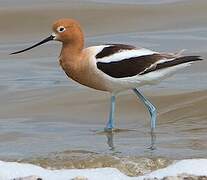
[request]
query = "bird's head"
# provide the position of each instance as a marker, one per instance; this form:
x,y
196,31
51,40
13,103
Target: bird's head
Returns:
x,y
68,31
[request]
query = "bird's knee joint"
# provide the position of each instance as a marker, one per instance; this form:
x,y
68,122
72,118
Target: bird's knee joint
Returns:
x,y
153,111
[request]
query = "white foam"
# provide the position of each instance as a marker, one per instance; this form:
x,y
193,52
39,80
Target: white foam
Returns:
x,y
10,170
191,166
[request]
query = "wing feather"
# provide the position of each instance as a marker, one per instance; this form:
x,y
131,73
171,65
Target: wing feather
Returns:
x,y
120,61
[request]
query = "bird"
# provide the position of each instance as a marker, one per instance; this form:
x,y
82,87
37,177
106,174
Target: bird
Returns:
x,y
113,67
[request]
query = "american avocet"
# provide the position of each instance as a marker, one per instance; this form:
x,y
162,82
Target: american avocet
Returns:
x,y
113,67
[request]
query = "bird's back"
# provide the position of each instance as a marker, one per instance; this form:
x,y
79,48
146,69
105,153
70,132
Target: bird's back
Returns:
x,y
127,66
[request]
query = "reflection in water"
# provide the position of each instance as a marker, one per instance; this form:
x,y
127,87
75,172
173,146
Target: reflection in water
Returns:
x,y
153,140
110,138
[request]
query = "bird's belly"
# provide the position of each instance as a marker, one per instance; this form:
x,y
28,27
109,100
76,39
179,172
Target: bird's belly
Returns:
x,y
91,83
87,79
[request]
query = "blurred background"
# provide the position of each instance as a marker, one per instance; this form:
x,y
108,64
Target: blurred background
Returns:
x,y
43,112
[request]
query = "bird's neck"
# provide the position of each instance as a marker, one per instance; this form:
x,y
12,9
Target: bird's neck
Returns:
x,y
71,50
71,55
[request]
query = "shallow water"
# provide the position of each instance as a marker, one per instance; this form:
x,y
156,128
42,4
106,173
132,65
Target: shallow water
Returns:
x,y
42,113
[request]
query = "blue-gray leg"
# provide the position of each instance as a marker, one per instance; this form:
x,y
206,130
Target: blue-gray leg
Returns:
x,y
153,113
110,123
152,109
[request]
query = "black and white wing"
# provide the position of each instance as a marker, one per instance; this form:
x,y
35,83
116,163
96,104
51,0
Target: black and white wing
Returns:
x,y
121,61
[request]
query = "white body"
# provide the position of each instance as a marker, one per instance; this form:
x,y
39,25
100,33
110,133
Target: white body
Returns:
x,y
120,84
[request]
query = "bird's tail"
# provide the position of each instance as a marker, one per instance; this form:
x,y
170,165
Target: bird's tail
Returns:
x,y
178,61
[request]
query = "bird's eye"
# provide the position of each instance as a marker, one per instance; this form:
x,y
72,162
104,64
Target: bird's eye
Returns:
x,y
61,29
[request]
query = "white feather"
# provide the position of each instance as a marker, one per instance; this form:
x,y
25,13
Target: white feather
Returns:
x,y
164,60
116,85
126,54
97,49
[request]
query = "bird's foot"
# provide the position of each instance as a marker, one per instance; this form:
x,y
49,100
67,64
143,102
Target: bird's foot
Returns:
x,y
109,129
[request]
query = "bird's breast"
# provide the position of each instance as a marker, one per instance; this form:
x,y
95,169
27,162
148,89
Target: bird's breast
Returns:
x,y
83,73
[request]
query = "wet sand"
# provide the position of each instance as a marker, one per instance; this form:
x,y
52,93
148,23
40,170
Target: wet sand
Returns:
x,y
42,113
